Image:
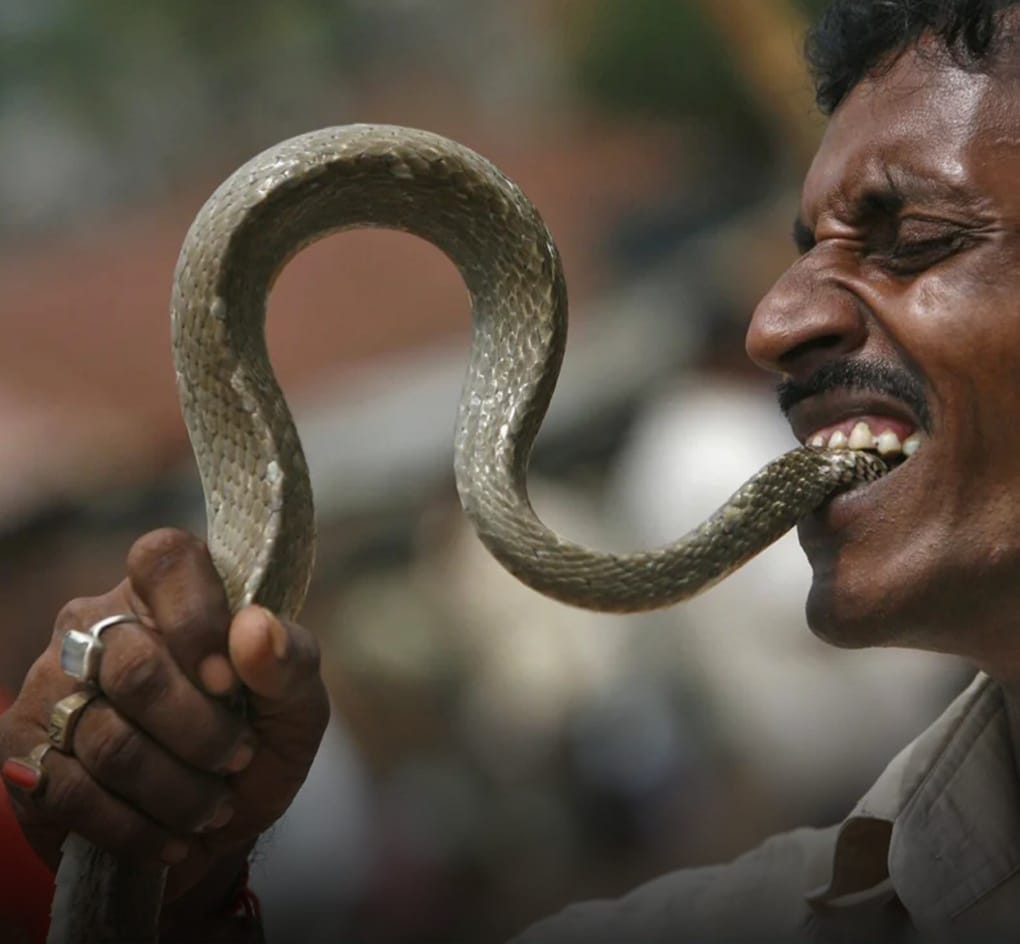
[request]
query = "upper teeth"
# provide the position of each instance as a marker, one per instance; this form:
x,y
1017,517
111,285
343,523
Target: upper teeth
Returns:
x,y
886,443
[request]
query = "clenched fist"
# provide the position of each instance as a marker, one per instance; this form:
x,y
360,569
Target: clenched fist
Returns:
x,y
163,765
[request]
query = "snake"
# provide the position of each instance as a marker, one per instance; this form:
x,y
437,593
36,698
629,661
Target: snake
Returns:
x,y
260,516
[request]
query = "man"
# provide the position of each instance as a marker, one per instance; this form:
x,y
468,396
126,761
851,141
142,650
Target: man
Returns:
x,y
902,314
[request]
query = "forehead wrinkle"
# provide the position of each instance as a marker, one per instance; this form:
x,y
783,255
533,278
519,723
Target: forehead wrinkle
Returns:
x,y
891,135
864,194
887,183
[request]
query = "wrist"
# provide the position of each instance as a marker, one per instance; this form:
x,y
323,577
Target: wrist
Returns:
x,y
220,909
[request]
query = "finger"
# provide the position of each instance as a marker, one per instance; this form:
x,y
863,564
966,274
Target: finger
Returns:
x,y
83,612
277,661
143,682
288,709
72,799
176,585
279,664
44,685
128,763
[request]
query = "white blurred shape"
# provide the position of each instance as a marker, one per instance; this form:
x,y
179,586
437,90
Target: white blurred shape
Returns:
x,y
814,722
316,860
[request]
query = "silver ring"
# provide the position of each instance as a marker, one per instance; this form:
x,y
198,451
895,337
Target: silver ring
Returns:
x,y
80,651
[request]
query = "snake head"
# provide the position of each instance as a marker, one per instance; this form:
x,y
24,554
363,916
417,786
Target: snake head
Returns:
x,y
853,466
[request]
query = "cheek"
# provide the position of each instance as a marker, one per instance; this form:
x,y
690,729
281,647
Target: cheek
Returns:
x,y
949,321
961,327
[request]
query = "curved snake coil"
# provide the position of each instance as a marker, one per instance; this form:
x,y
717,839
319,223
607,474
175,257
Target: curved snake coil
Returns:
x,y
258,497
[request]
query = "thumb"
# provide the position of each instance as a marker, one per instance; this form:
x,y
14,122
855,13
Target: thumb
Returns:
x,y
288,709
278,662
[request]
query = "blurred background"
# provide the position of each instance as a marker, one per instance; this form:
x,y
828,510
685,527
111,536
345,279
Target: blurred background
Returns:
x,y
493,755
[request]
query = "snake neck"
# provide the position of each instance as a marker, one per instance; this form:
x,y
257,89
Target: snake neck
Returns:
x,y
255,480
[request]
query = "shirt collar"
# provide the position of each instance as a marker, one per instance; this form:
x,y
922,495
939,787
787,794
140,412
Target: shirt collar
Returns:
x,y
940,828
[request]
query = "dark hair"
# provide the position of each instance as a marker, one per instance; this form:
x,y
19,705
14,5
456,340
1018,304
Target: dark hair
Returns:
x,y
857,38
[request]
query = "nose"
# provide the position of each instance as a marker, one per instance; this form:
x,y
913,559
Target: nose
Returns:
x,y
810,316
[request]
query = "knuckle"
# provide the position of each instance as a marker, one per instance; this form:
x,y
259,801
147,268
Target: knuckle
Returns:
x,y
67,795
115,751
76,802
137,675
71,614
159,551
197,611
36,697
172,573
212,752
82,612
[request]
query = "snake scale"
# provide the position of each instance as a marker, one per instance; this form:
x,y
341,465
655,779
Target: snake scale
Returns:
x,y
254,476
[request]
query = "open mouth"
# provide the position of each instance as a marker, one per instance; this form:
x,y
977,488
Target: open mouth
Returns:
x,y
893,439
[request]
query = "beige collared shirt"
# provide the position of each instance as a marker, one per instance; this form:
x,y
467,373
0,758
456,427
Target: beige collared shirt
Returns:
x,y
930,853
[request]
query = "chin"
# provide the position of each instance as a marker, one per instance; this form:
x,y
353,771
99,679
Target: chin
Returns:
x,y
934,617
860,617
847,627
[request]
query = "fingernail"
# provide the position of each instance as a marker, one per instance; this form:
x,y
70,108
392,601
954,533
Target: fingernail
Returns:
x,y
175,851
277,634
216,674
241,759
20,775
224,814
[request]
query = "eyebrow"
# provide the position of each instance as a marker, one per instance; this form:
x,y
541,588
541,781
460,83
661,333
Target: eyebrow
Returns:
x,y
907,185
877,202
898,188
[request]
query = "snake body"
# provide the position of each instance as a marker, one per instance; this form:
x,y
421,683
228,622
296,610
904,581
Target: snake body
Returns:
x,y
254,476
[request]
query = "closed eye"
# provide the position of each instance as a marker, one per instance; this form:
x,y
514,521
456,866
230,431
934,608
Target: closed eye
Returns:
x,y
922,243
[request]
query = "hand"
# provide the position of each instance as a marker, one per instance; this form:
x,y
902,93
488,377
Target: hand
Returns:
x,y
163,766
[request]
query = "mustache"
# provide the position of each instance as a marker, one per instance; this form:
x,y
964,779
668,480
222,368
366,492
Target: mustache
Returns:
x,y
872,376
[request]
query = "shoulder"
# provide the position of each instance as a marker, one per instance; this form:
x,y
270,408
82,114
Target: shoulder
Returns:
x,y
758,897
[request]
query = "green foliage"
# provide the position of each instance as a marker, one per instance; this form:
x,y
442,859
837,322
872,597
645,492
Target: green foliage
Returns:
x,y
661,56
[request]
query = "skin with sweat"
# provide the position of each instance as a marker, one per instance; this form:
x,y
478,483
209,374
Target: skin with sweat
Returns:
x,y
910,235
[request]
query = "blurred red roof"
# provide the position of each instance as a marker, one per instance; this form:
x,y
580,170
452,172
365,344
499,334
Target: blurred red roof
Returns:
x,y
86,387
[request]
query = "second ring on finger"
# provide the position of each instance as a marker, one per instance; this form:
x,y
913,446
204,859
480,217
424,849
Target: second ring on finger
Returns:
x,y
65,716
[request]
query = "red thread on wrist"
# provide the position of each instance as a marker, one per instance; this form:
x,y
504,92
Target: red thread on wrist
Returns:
x,y
244,903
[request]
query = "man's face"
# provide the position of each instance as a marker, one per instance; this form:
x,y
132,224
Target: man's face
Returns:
x,y
910,225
